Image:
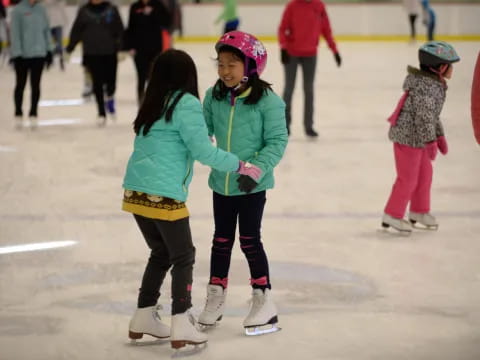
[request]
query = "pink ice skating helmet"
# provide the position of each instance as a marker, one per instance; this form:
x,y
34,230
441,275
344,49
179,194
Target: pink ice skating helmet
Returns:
x,y
248,44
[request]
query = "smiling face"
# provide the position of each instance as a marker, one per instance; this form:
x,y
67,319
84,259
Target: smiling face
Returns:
x,y
230,68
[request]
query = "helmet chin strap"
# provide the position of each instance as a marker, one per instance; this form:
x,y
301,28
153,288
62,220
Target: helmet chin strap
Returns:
x,y
440,73
234,90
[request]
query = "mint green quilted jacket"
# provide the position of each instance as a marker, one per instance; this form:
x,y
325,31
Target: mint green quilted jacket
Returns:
x,y
162,161
255,133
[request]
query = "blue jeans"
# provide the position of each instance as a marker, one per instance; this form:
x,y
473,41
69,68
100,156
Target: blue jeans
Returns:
x,y
57,36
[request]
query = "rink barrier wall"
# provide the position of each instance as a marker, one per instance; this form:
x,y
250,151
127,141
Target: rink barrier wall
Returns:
x,y
384,21
349,22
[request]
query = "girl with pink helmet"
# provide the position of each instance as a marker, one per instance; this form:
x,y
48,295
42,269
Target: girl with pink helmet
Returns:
x,y
247,119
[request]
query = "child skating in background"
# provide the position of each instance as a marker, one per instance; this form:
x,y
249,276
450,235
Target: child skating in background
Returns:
x,y
475,100
170,134
248,119
229,15
417,135
428,18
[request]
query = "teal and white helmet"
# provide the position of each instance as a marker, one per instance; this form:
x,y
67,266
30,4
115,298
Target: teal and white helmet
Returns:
x,y
435,53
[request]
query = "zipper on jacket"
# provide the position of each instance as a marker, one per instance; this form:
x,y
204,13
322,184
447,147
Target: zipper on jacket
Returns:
x,y
229,138
185,179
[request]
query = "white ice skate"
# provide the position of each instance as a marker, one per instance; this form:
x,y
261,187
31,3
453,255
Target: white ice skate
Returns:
x,y
424,221
18,122
147,321
262,318
185,333
101,121
33,121
214,306
401,225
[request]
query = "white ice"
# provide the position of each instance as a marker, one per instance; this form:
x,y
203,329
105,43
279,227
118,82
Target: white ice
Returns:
x,y
345,291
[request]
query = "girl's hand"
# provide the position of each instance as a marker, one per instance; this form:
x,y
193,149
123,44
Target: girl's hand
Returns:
x,y
432,150
245,168
442,145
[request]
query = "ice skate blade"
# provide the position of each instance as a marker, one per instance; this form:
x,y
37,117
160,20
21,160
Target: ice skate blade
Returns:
x,y
419,226
207,327
261,330
182,350
135,339
135,342
392,231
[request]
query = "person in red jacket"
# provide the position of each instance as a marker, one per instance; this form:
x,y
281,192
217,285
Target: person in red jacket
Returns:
x,y
476,100
302,24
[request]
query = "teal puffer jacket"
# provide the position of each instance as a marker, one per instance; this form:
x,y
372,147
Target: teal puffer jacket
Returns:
x,y
257,133
162,161
30,31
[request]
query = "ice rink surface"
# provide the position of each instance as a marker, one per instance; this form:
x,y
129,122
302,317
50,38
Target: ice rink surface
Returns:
x,y
345,290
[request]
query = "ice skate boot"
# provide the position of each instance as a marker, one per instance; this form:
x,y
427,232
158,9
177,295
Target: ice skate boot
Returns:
x,y
18,122
214,306
87,93
33,121
110,107
87,85
402,226
101,121
185,333
424,221
147,321
262,318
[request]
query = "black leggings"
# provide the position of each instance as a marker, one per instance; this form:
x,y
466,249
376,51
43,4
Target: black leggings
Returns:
x,y
412,18
249,211
103,69
34,66
171,245
143,63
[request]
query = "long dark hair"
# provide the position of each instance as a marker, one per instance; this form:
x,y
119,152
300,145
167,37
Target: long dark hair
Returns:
x,y
172,71
259,87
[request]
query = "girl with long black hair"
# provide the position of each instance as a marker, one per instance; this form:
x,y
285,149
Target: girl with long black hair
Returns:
x,y
170,134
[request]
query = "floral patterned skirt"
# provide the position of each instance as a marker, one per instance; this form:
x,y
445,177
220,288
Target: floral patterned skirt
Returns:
x,y
154,206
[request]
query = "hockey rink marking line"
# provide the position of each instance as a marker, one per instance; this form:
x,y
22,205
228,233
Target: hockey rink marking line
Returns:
x,y
54,122
61,102
7,149
292,216
35,246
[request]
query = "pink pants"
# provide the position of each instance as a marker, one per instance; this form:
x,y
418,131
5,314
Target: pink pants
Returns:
x,y
413,183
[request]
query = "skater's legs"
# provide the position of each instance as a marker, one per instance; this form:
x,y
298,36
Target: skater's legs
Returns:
x,y
178,240
250,221
420,202
290,70
21,72
110,64
57,36
412,19
95,67
93,64
36,69
157,265
431,25
308,69
231,25
225,212
407,162
142,65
